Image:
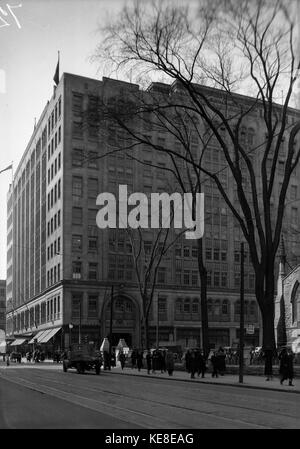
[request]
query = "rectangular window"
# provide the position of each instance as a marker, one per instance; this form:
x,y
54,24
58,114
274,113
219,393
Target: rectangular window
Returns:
x,y
77,157
93,243
76,242
77,187
76,305
92,306
77,215
186,277
76,266
93,268
93,188
161,275
93,161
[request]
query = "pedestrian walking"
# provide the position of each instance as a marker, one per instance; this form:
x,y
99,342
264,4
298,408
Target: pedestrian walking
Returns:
x,y
187,360
201,365
169,362
155,361
139,360
149,361
122,359
215,364
286,368
221,361
193,364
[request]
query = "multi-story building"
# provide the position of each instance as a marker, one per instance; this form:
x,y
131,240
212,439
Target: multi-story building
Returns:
x,y
61,266
2,305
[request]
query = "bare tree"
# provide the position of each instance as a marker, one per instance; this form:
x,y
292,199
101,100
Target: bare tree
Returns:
x,y
238,47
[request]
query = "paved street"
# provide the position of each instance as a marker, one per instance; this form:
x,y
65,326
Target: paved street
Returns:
x,y
43,396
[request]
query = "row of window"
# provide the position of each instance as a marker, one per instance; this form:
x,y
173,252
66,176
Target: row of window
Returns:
x,y
45,312
78,191
55,141
54,223
78,306
77,243
92,273
79,159
53,249
53,275
55,167
54,195
55,116
77,216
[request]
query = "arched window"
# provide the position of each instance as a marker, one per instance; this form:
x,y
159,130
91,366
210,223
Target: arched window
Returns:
x,y
294,300
119,305
128,306
187,305
217,307
225,307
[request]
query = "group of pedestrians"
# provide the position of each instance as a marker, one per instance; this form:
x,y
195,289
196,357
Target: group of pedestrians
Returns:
x,y
286,364
195,362
153,361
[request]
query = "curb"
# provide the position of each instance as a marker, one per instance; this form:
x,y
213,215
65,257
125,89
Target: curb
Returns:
x,y
256,387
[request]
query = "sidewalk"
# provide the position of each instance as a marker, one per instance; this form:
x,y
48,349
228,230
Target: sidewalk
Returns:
x,y
256,382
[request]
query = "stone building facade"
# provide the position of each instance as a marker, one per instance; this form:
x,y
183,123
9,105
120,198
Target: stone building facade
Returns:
x,y
2,305
61,266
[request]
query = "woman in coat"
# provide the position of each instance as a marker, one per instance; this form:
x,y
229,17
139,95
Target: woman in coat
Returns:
x,y
286,368
170,362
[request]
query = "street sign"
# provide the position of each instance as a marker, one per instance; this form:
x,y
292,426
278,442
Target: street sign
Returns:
x,y
250,329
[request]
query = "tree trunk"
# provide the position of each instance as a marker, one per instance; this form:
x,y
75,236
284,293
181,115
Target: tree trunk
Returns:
x,y
203,293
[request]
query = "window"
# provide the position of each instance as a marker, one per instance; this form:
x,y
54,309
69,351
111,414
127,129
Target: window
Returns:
x,y
76,242
225,307
92,188
293,194
92,216
77,158
77,215
77,189
93,243
76,305
186,277
216,278
76,270
186,251
93,268
93,161
161,275
92,306
294,301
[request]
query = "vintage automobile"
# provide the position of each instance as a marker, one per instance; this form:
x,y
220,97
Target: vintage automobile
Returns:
x,y
83,357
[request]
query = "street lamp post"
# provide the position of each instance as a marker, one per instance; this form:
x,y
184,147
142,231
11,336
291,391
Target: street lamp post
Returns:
x,y
111,324
79,330
157,323
70,328
241,358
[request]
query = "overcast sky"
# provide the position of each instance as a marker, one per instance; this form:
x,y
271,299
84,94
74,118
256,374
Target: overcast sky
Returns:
x,y
28,59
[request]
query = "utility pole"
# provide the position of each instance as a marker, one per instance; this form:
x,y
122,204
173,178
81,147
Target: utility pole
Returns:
x,y
111,324
79,333
241,352
157,323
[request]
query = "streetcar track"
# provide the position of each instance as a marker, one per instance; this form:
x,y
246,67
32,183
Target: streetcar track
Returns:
x,y
125,395
157,403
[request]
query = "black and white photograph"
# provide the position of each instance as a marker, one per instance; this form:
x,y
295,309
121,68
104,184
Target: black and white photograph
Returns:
x,y
150,218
